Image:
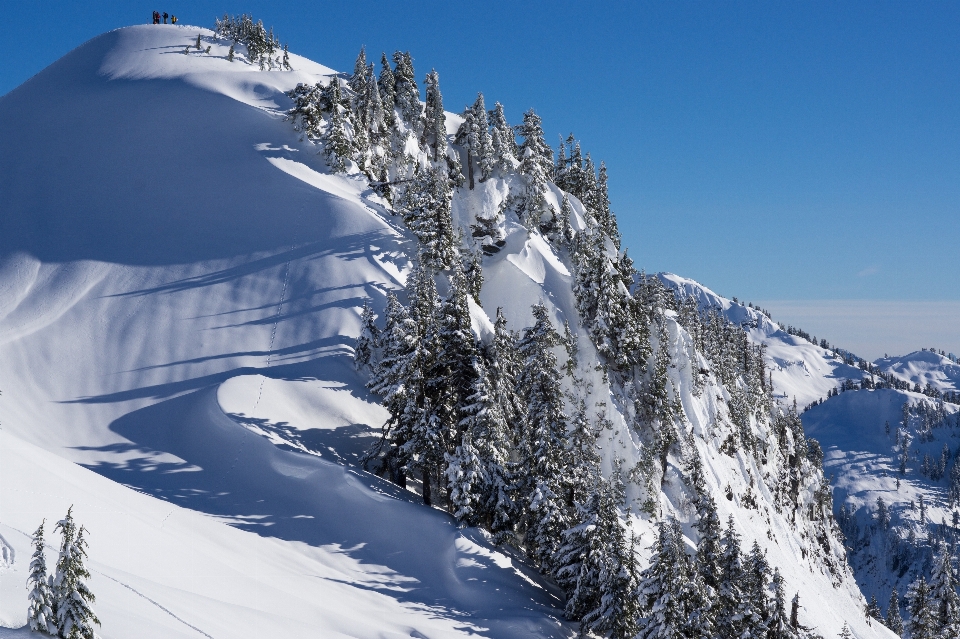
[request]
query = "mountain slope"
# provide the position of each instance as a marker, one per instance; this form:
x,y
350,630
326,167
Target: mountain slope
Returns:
x,y
178,267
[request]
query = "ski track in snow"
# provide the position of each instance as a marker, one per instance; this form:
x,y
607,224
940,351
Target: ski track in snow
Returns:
x,y
158,605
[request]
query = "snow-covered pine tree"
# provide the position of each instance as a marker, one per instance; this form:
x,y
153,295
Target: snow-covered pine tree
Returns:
x,y
358,81
893,621
732,607
72,597
434,118
873,609
502,139
365,350
407,93
923,621
665,613
472,264
610,562
588,186
536,163
375,116
707,560
573,180
779,625
388,89
286,59
426,206
757,575
465,477
542,447
608,221
506,409
480,142
943,593
565,232
845,632
391,379
336,137
40,609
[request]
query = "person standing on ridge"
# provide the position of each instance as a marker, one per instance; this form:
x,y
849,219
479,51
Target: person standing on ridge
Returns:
x,y
156,17
165,16
173,19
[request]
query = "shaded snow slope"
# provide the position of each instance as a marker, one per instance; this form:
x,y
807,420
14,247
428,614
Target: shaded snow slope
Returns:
x,y
163,571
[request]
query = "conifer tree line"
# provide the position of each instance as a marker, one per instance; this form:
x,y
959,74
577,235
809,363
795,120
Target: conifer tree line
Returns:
x,y
59,603
263,47
499,431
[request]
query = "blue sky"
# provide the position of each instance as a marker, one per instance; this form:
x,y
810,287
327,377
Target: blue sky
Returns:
x,y
771,150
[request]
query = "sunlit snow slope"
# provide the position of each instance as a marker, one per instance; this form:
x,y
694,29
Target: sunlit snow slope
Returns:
x,y
163,231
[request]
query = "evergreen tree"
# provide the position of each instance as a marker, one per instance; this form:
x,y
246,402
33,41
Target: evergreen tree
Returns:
x,y
536,163
40,613
732,608
375,117
873,609
434,119
609,562
564,232
480,142
546,515
465,476
75,617
845,632
665,613
426,205
336,137
923,621
893,620
943,593
407,96
388,89
506,409
394,378
779,625
358,81
502,139
757,579
365,351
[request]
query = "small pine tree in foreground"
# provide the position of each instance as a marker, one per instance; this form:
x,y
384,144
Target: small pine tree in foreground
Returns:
x,y
75,617
40,615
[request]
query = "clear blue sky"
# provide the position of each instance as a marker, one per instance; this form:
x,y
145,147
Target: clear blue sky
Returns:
x,y
771,150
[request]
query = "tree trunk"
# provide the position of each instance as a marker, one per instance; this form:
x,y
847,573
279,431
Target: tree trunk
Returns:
x,y
426,487
470,168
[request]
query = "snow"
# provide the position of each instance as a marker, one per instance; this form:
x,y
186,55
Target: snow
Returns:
x,y
208,265
923,367
802,371
181,281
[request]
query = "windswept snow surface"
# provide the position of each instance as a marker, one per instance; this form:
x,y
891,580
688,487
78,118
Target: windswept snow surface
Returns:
x,y
181,280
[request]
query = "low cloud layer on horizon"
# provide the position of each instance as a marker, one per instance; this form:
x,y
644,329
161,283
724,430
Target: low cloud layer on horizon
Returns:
x,y
873,328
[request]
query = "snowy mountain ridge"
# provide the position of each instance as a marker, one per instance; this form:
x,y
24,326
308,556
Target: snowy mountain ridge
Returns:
x,y
151,322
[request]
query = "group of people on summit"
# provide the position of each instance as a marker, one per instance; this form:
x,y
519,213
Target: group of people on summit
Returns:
x,y
157,15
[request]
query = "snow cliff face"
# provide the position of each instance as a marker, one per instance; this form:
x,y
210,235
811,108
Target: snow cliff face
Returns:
x,y
181,279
